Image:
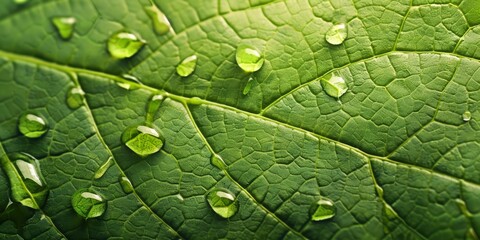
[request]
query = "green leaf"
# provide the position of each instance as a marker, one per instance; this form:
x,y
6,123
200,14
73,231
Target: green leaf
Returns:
x,y
393,153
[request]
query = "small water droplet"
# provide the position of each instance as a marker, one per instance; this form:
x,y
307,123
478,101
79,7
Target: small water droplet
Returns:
x,y
161,25
180,197
153,107
124,45
32,126
337,34
467,116
126,184
64,26
131,78
249,58
322,209
103,169
142,140
20,1
334,86
187,66
248,86
75,97
27,185
195,101
88,204
218,162
222,202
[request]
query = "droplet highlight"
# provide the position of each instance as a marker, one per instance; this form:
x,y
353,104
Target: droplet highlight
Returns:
x,y
124,45
323,209
142,140
75,97
249,58
88,204
32,126
218,162
153,107
103,169
467,116
127,186
187,66
20,1
337,34
334,86
65,26
161,25
222,202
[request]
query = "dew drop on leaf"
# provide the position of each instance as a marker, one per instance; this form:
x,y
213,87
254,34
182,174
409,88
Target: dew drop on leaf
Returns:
x,y
142,140
103,169
248,86
126,184
124,45
32,126
218,162
336,34
467,116
88,204
334,86
222,202
75,97
161,25
195,101
153,107
249,58
64,26
27,185
322,209
187,66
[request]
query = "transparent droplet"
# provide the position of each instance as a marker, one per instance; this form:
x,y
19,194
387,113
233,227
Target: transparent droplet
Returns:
x,y
27,185
32,126
131,78
161,25
249,58
103,169
142,140
187,66
153,107
218,162
322,209
334,86
126,184
248,86
64,26
467,116
75,97
124,45
195,101
222,202
88,204
337,34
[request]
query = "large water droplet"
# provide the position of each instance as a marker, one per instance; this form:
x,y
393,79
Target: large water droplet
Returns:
x,y
336,34
248,86
187,66
103,169
88,204
249,58
218,162
161,25
65,26
32,126
153,107
126,184
222,202
142,140
124,45
75,97
334,86
322,209
467,116
26,181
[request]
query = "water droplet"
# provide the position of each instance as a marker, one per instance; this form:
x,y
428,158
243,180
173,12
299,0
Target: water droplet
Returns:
x,y
26,181
195,101
153,107
124,45
180,197
222,202
334,86
65,26
161,25
336,34
322,209
248,86
142,140
218,162
187,66
249,58
20,1
103,169
467,116
126,184
131,78
75,97
32,126
88,204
